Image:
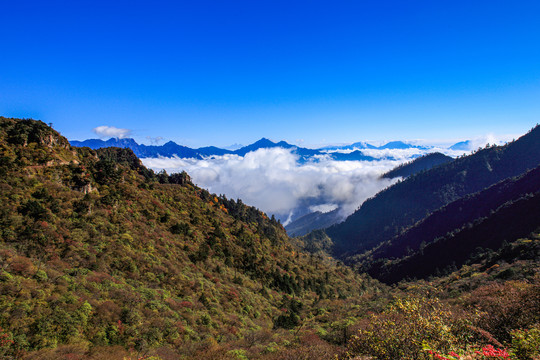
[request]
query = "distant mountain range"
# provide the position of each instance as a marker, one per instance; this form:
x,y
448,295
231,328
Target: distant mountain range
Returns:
x,y
171,149
365,145
303,220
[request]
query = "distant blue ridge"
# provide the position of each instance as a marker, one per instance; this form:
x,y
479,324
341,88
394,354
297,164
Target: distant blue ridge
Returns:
x,y
171,149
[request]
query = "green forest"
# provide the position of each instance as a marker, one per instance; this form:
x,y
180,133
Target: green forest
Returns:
x,y
102,258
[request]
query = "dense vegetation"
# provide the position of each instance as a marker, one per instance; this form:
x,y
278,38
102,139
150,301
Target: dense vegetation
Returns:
x,y
101,258
452,235
96,250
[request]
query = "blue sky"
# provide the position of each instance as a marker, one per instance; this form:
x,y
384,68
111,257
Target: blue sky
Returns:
x,y
310,72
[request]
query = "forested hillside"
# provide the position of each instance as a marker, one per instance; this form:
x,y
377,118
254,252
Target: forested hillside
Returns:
x,y
98,251
417,165
503,212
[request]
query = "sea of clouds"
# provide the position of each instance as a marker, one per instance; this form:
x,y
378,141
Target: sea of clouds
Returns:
x,y
275,181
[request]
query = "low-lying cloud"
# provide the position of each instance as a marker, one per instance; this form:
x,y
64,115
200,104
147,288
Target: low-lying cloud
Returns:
x,y
111,131
482,141
274,181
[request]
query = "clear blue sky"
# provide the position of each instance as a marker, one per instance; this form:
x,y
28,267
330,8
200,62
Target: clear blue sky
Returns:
x,y
223,72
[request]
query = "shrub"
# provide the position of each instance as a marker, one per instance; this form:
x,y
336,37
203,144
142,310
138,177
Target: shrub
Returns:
x,y
405,328
526,343
506,307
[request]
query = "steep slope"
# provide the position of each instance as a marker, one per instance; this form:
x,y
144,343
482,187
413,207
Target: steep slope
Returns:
x,y
97,250
392,210
313,221
504,212
459,214
422,163
514,220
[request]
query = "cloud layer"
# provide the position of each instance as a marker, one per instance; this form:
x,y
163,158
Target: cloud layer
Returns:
x,y
111,131
273,180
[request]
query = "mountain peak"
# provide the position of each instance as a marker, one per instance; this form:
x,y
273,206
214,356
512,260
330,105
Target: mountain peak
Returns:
x,y
124,141
264,142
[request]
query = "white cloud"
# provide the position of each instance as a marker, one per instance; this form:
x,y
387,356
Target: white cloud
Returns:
x,y
324,208
398,154
111,131
482,141
273,180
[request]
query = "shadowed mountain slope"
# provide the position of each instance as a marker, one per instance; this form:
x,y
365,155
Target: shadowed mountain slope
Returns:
x,y
508,208
422,163
514,220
